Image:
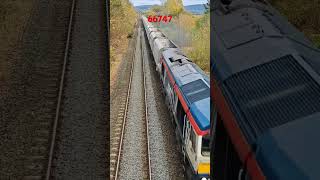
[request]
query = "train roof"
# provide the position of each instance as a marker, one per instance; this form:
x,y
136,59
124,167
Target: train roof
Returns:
x,y
193,83
269,74
188,77
249,25
163,42
267,69
290,151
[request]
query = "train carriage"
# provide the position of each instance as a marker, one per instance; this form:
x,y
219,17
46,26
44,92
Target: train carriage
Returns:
x,y
159,45
187,92
266,93
156,35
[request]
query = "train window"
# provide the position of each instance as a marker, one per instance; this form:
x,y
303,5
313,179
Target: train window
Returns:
x,y
163,70
205,145
180,115
165,79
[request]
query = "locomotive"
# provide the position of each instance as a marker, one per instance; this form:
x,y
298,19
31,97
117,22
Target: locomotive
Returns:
x,y
265,89
187,91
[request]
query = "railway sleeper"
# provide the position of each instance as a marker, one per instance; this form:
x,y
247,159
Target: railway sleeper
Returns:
x,y
35,167
32,178
38,150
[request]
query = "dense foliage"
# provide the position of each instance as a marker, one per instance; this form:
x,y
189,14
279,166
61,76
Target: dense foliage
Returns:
x,y
122,19
173,7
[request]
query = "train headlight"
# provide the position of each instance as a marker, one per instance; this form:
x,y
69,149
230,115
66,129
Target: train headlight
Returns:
x,y
204,178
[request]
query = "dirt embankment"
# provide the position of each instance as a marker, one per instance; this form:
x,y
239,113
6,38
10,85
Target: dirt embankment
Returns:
x,y
122,20
13,19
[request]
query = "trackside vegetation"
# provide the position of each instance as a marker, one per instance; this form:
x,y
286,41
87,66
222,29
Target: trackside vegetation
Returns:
x,y
122,20
190,32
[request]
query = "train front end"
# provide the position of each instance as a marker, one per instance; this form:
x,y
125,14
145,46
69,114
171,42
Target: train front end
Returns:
x,y
198,139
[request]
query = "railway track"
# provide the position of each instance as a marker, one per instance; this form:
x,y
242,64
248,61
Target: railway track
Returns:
x,y
119,123
59,102
146,110
117,142
47,129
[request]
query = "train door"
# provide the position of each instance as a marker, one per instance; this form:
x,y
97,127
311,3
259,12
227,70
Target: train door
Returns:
x,y
180,115
190,141
165,80
168,91
223,151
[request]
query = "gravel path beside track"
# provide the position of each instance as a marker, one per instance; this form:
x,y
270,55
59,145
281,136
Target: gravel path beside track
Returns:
x,y
81,142
166,161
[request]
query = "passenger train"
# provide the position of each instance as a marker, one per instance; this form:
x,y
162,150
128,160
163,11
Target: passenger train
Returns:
x,y
265,88
187,91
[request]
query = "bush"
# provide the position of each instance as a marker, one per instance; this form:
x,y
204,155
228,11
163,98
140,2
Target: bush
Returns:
x,y
122,19
174,7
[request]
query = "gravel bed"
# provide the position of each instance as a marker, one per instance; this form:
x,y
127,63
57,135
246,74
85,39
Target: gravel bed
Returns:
x,y
118,100
34,67
166,160
82,134
133,162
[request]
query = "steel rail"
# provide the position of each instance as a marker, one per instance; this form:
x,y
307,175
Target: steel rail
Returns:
x,y
124,117
58,107
146,109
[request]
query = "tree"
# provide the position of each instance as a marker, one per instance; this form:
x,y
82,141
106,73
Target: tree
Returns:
x,y
174,7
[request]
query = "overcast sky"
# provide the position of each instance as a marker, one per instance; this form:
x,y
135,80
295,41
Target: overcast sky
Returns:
x,y
151,2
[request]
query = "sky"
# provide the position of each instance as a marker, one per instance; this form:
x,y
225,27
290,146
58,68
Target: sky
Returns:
x,y
151,2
